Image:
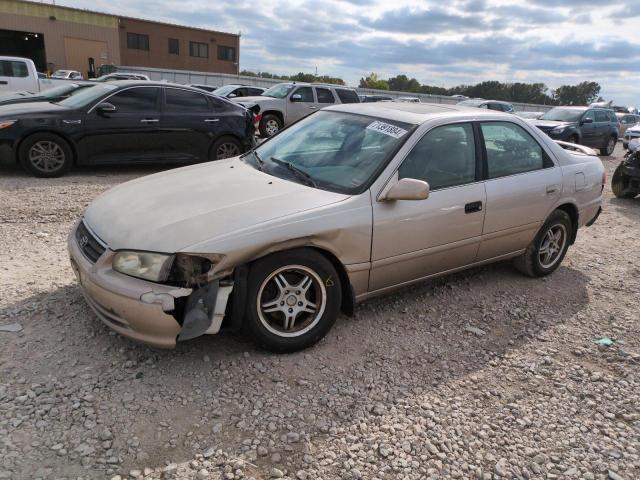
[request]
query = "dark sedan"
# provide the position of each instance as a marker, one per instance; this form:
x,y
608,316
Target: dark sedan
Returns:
x,y
123,122
55,94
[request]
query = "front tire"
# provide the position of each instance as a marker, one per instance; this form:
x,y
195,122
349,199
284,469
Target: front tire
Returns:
x,y
293,300
270,125
573,139
609,147
545,254
620,184
45,155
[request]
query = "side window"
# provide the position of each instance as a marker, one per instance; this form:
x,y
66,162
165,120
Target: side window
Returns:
x,y
255,92
601,116
484,105
134,100
184,101
347,96
240,92
496,106
444,157
324,95
12,68
306,93
589,114
510,149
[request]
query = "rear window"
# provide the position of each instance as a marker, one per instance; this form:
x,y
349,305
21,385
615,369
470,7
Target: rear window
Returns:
x,y
12,68
347,96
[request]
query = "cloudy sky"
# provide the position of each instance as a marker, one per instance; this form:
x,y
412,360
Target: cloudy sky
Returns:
x,y
443,43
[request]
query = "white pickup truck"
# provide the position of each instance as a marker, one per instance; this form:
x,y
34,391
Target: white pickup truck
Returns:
x,y
20,75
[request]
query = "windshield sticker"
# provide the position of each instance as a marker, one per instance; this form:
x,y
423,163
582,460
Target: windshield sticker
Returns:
x,y
387,129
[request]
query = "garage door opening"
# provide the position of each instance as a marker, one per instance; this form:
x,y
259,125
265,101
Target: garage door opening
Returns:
x,y
24,44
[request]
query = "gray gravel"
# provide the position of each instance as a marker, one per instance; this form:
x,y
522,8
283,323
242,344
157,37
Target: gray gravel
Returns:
x,y
480,375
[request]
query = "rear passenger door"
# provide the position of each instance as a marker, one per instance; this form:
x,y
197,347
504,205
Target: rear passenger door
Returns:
x,y
413,239
522,186
189,124
325,97
603,127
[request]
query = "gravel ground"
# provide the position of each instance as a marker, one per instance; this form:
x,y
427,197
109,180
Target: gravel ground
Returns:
x,y
483,374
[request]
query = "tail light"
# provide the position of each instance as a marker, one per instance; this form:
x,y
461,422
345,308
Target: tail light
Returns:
x,y
256,120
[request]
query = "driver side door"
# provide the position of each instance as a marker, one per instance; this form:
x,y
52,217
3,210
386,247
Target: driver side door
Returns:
x,y
301,102
413,239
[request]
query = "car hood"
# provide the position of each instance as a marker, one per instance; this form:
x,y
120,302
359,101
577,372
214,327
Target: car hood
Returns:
x,y
634,129
171,211
27,109
550,123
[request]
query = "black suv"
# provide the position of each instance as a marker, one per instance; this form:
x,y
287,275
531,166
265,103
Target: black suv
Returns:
x,y
593,127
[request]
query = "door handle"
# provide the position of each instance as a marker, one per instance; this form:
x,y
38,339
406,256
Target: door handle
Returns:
x,y
552,189
149,120
313,108
4,82
473,207
211,120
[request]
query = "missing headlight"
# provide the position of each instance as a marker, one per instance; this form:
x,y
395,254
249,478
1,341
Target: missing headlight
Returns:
x,y
194,270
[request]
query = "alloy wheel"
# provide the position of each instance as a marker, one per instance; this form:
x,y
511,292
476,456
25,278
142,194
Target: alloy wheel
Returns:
x,y
552,245
227,150
46,156
291,301
271,127
611,145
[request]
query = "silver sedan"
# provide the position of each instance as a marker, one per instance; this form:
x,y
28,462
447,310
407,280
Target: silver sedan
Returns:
x,y
352,202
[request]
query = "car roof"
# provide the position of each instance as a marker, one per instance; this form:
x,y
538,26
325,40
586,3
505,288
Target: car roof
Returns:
x,y
414,113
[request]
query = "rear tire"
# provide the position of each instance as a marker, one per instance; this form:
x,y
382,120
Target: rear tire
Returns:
x,y
546,252
608,149
293,300
225,147
620,183
270,124
45,155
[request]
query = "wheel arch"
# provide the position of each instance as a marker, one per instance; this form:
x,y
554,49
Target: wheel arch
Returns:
x,y
72,145
277,113
571,210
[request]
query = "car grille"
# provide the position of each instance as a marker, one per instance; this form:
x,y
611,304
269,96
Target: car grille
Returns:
x,y
88,243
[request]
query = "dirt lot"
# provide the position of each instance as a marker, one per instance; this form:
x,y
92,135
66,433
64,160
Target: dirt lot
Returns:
x,y
404,390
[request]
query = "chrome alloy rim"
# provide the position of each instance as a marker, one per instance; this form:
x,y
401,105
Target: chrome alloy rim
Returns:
x,y
227,150
271,127
552,245
46,156
291,301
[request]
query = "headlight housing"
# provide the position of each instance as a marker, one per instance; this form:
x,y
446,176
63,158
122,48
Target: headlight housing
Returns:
x,y
559,129
151,266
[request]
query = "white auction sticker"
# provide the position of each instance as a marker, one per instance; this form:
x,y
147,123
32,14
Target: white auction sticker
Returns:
x,y
387,129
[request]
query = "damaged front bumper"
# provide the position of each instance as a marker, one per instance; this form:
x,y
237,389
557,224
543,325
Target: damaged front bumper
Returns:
x,y
144,311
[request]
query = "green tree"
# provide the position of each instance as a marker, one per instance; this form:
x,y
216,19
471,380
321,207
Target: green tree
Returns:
x,y
373,81
581,94
402,83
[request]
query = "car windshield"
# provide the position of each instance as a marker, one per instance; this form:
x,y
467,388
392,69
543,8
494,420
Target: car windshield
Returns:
x,y
562,115
87,95
58,91
225,90
340,152
278,91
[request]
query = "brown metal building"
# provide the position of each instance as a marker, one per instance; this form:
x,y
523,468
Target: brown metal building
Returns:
x,y
57,37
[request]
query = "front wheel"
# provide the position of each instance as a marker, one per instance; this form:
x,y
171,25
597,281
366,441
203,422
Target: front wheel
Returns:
x,y
620,184
45,155
545,254
293,300
269,125
609,147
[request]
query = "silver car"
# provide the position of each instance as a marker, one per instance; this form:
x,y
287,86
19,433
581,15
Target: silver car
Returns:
x,y
349,203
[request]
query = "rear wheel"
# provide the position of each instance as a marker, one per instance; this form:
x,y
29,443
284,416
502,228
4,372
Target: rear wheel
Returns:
x,y
225,147
609,147
620,184
293,300
545,254
270,125
573,139
45,155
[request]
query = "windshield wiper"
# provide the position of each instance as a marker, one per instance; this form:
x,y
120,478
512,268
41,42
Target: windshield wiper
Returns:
x,y
301,174
260,161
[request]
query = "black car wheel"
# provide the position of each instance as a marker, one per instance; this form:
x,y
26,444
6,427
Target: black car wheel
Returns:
x,y
225,147
545,254
293,300
270,125
609,147
620,184
45,155
573,139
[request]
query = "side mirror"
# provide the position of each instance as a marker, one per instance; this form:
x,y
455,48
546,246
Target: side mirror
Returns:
x,y
106,107
586,120
408,189
296,97
232,95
